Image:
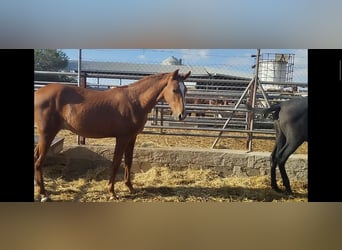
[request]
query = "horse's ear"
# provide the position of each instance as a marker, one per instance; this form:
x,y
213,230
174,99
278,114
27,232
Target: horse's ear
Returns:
x,y
175,73
187,75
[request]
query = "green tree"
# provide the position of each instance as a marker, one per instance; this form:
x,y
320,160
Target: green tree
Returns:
x,y
50,60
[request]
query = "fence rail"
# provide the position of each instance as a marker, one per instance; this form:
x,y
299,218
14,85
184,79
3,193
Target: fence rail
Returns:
x,y
217,116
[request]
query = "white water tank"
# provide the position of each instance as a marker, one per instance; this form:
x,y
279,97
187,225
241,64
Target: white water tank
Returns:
x,y
273,70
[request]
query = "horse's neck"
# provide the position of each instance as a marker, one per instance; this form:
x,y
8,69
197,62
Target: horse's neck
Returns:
x,y
148,92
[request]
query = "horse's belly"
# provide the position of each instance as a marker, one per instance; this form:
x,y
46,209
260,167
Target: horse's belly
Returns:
x,y
103,130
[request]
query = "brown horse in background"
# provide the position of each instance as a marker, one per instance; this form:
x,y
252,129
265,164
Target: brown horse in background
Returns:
x,y
119,112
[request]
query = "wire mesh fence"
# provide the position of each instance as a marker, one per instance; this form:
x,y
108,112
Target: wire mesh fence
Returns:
x,y
218,88
237,62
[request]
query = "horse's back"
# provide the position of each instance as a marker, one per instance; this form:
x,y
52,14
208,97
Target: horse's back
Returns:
x,y
294,114
294,108
62,94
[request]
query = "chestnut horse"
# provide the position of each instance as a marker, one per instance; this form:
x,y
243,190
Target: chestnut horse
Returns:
x,y
119,112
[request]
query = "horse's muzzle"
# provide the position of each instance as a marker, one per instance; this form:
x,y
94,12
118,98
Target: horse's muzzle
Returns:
x,y
181,117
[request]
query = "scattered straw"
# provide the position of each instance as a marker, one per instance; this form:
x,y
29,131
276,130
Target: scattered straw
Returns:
x,y
162,184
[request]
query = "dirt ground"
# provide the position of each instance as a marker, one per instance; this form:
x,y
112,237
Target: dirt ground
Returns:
x,y
162,184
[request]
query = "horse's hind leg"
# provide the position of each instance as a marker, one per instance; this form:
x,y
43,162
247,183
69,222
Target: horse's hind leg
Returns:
x,y
282,160
128,164
284,154
40,152
273,170
280,141
285,178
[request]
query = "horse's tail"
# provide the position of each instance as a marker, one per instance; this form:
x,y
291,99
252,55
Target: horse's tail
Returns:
x,y
265,111
274,108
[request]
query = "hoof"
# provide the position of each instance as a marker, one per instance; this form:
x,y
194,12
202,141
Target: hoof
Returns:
x,y
290,194
276,189
113,197
45,199
130,187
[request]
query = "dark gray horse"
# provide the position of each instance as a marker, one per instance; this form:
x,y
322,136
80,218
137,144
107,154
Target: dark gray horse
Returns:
x,y
291,126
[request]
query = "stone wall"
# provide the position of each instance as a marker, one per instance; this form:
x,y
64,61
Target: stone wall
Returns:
x,y
227,162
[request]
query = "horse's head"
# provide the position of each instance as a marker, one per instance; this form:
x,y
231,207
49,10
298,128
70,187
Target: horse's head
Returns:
x,y
174,94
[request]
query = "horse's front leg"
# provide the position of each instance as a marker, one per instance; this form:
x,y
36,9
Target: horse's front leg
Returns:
x,y
120,147
128,163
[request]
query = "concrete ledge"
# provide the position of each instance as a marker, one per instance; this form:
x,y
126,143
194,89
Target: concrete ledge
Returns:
x,y
227,162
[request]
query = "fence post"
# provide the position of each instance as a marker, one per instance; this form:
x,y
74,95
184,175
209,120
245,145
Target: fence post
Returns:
x,y
250,115
251,102
81,139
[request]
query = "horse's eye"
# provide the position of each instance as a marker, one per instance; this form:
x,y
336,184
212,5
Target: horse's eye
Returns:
x,y
175,90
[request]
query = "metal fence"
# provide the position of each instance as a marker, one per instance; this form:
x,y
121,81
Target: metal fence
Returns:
x,y
215,109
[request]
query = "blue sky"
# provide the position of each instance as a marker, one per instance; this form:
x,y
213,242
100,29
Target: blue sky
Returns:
x,y
238,61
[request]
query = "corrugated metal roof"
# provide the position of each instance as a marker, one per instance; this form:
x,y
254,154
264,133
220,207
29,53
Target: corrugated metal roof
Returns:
x,y
146,69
